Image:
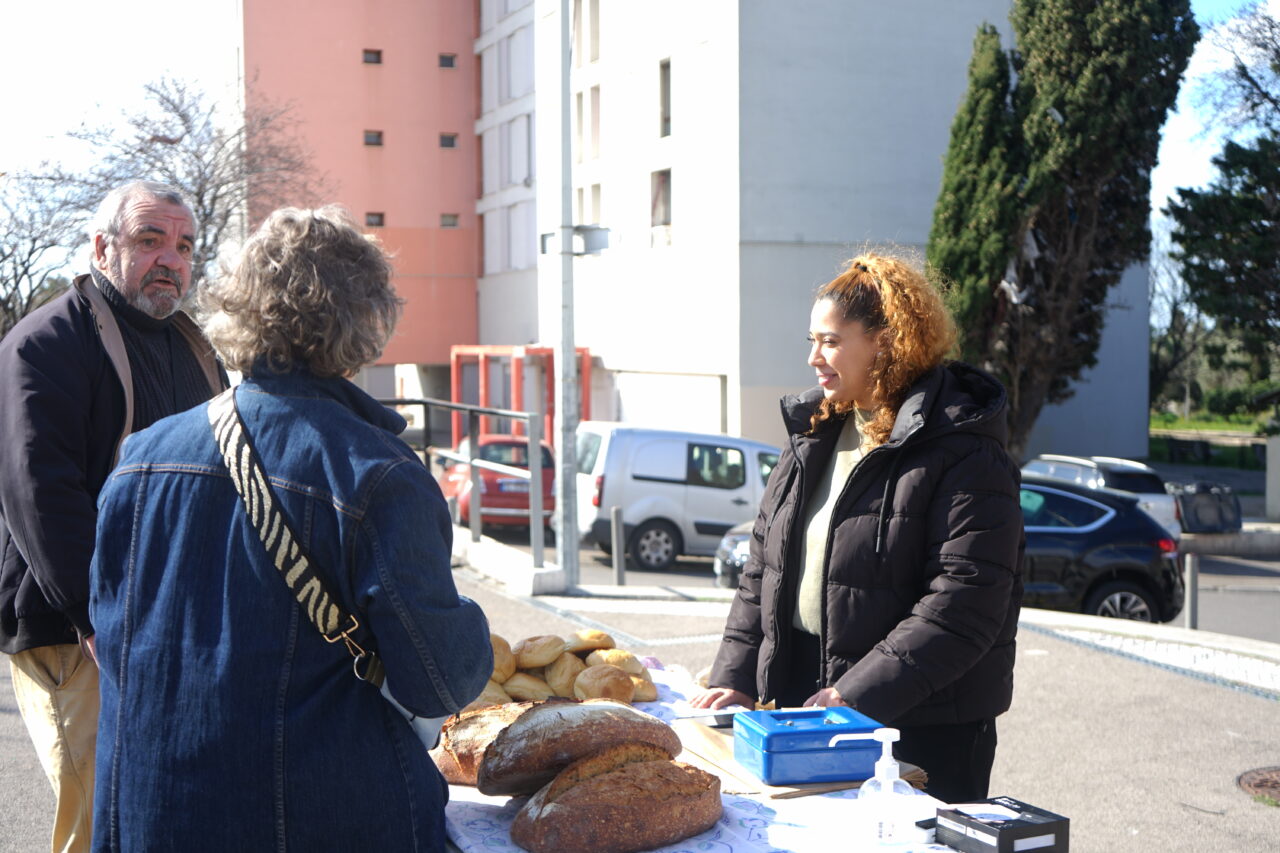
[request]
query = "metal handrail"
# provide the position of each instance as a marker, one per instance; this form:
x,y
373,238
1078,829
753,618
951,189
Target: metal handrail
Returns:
x,y
533,474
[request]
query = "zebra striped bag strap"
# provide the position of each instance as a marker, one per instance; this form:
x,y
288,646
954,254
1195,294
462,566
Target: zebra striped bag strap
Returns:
x,y
284,548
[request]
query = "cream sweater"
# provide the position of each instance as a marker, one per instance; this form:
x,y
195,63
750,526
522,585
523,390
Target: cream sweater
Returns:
x,y
813,547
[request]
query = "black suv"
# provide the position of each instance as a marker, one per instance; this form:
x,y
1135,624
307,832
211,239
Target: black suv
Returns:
x,y
1089,550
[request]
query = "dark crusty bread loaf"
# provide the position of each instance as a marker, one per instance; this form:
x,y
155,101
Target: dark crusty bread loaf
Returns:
x,y
612,803
464,738
548,737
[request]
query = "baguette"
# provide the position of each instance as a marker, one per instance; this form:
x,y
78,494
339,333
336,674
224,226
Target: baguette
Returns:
x,y
621,800
542,741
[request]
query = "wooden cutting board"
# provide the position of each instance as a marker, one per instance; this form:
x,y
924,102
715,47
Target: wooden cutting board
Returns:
x,y
712,750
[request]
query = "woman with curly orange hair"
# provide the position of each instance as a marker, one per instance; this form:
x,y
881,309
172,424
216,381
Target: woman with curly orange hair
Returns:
x,y
885,561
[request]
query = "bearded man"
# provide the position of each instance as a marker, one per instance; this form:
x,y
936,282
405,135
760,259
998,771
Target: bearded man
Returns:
x,y
111,356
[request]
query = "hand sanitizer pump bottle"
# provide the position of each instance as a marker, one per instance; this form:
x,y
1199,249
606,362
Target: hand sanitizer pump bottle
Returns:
x,y
886,782
887,806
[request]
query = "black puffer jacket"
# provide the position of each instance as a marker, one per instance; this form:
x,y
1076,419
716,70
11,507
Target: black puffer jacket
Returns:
x,y
922,581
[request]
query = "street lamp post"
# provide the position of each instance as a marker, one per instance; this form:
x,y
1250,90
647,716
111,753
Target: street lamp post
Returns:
x,y
566,418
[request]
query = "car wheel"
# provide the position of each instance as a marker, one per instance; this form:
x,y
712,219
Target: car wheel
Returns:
x,y
1123,600
655,545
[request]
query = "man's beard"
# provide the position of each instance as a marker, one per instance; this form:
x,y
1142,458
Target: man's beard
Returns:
x,y
159,307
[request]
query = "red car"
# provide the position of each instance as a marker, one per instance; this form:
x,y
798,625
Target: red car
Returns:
x,y
504,498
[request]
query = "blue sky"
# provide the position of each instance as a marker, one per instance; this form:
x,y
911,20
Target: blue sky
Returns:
x,y
70,61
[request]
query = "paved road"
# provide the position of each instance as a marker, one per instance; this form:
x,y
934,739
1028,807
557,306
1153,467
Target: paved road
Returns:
x,y
1141,757
1237,596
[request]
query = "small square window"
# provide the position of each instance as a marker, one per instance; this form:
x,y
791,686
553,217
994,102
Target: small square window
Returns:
x,y
372,57
660,205
448,60
373,137
375,220
448,220
448,140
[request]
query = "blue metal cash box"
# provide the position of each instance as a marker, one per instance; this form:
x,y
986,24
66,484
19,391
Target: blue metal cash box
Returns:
x,y
790,747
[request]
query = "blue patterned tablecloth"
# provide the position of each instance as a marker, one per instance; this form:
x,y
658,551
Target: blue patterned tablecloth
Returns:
x,y
480,824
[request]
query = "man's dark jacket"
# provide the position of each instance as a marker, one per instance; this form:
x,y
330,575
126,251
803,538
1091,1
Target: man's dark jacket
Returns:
x,y
922,582
63,413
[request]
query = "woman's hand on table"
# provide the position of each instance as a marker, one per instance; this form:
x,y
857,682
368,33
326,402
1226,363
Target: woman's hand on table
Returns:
x,y
719,697
827,697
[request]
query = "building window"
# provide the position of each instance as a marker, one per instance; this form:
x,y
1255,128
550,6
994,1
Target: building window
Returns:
x,y
372,57
448,60
661,207
577,127
664,97
596,213
595,30
373,137
577,32
448,140
595,122
375,220
448,220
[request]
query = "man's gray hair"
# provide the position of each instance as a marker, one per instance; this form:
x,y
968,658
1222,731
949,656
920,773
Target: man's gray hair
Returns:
x,y
109,218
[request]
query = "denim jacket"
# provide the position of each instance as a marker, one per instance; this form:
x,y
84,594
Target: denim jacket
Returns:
x,y
227,722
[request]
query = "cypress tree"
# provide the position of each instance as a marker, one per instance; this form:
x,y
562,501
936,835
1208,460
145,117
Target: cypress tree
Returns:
x,y
1092,82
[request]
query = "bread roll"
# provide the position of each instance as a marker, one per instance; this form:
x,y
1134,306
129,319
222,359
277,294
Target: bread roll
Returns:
x,y
644,690
527,688
588,639
563,672
548,737
504,663
493,694
537,651
604,682
618,806
620,658
464,738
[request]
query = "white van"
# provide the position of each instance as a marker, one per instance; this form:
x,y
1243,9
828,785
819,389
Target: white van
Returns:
x,y
679,491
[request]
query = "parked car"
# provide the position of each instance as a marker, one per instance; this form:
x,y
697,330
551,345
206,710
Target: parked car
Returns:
x,y
679,491
504,499
1089,550
1112,473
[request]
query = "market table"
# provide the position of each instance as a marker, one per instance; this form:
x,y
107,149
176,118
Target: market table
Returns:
x,y
751,822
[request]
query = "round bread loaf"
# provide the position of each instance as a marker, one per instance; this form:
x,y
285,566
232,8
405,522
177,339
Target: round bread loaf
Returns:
x,y
618,806
504,663
493,694
604,681
588,639
527,688
537,651
464,738
620,658
563,672
645,690
548,737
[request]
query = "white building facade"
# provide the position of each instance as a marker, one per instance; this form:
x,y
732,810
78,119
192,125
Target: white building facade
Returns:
x,y
739,151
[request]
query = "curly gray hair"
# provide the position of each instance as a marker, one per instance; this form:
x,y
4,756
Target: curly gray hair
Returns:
x,y
308,290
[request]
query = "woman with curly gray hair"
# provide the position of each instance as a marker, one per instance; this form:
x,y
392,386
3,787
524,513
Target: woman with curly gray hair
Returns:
x,y
225,573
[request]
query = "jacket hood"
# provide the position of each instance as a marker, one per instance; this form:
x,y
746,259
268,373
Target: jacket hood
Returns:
x,y
952,397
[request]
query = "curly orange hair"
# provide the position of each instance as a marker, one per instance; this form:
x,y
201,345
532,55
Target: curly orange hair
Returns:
x,y
889,294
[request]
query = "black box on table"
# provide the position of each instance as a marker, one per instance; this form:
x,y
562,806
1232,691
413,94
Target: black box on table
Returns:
x,y
1002,825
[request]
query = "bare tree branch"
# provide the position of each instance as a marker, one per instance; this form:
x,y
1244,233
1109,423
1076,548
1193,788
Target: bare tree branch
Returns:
x,y
36,229
234,169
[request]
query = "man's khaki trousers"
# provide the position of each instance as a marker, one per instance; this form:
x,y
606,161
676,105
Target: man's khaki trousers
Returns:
x,y
57,690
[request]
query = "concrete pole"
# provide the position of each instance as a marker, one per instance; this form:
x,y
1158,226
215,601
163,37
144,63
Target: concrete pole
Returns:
x,y
566,419
1191,607
1273,478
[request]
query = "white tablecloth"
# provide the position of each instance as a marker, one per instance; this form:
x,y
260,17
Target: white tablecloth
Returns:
x,y
480,824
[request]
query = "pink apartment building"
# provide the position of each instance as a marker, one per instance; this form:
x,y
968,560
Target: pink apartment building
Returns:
x,y
384,92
